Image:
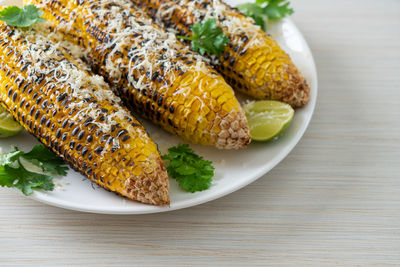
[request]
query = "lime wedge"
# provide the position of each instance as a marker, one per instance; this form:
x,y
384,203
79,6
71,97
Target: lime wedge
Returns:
x,y
8,126
267,119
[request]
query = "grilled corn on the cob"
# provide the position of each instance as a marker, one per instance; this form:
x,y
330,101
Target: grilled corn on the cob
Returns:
x,y
75,114
252,62
153,72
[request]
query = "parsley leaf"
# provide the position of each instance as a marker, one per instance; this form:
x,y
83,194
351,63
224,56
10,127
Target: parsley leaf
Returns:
x,y
207,38
191,171
21,17
263,10
14,174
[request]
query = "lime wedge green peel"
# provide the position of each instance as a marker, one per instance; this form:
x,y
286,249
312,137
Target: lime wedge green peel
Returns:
x,y
8,126
267,119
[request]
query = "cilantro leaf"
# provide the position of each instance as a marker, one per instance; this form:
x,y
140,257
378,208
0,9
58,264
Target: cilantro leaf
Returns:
x,y
47,160
277,9
207,38
254,11
24,180
21,17
263,10
191,171
14,174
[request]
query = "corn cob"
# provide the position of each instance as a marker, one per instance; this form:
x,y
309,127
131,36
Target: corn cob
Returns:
x,y
155,74
76,115
253,63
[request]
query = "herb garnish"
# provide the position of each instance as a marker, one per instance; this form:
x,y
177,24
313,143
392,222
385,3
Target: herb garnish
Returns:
x,y
207,38
14,174
191,171
263,10
21,17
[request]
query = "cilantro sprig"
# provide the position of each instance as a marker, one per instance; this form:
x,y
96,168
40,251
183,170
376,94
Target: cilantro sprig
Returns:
x,y
21,17
207,38
263,10
14,174
191,171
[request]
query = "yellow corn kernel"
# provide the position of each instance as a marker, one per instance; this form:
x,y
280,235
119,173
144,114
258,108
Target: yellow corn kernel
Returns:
x,y
91,27
46,107
249,47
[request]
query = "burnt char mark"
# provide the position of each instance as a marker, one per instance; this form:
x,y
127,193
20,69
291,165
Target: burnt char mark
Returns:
x,y
232,61
98,150
64,124
89,138
20,84
58,133
38,100
14,97
110,140
72,145
160,100
84,151
122,132
37,114
114,148
88,121
43,120
25,87
75,131
25,66
125,138
81,135
44,104
40,79
226,56
61,97
154,76
10,33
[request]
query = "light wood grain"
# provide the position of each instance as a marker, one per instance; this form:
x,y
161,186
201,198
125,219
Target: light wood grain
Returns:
x,y
335,200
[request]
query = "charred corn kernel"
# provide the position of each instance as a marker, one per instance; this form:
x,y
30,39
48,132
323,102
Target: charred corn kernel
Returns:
x,y
153,72
248,44
74,113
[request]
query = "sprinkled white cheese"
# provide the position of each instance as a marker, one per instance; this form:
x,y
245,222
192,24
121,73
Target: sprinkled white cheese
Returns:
x,y
151,50
201,10
46,58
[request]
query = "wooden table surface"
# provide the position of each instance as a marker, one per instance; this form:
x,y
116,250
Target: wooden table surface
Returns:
x,y
335,200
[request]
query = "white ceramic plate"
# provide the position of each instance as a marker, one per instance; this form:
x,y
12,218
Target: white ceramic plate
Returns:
x,y
234,169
